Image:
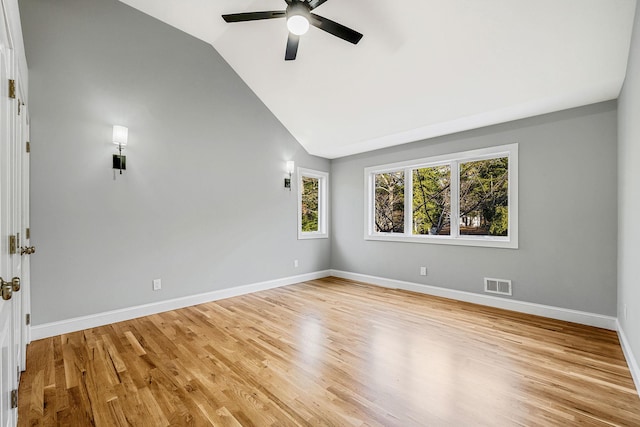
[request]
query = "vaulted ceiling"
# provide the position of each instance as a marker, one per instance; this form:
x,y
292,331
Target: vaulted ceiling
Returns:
x,y
423,68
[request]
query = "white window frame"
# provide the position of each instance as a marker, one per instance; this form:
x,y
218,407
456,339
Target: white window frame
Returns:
x,y
454,160
323,204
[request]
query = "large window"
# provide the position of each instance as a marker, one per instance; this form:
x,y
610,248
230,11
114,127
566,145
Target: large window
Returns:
x,y
467,198
312,204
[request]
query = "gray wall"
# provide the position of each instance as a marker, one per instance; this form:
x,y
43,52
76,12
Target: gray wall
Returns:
x,y
202,204
567,220
629,196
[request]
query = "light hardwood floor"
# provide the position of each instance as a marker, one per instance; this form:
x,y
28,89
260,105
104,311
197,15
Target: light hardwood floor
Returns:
x,y
330,352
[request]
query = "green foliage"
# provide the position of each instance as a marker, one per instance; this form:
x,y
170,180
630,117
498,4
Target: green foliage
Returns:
x,y
484,197
432,200
483,192
389,204
500,224
310,194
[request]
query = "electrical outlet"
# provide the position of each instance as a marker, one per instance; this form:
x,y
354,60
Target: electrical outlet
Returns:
x,y
157,284
423,271
295,263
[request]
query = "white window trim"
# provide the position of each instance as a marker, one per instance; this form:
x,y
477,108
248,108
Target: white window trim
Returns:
x,y
454,159
323,204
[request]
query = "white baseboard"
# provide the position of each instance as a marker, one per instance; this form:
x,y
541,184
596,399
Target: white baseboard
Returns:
x,y
582,317
100,319
631,360
79,323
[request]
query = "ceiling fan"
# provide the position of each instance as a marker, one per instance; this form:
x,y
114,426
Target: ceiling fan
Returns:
x,y
299,17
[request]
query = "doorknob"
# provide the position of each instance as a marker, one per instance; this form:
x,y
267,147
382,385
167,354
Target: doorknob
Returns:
x,y
7,289
14,285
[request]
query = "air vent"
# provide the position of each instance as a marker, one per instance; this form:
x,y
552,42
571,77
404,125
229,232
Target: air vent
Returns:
x,y
497,286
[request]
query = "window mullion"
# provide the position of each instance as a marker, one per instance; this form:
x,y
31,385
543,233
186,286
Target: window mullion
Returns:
x,y
455,199
321,207
370,228
408,202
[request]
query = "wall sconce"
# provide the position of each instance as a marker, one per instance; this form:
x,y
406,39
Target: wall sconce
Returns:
x,y
120,138
290,168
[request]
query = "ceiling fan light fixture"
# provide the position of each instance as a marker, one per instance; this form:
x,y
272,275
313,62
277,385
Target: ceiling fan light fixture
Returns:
x,y
297,24
299,18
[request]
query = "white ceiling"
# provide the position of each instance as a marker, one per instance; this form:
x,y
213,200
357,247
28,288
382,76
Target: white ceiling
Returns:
x,y
423,68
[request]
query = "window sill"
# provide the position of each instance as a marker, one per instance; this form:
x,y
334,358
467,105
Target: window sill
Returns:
x,y
307,236
478,241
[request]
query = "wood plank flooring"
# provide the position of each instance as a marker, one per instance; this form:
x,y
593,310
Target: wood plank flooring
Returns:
x,y
330,352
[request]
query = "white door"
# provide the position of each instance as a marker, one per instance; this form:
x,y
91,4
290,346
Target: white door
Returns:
x,y
21,259
25,276
17,151
8,220
15,216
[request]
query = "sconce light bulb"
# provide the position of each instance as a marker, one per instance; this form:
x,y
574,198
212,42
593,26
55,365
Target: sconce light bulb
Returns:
x,y
120,135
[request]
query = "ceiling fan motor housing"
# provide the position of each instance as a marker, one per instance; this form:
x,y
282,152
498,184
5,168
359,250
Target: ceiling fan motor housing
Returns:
x,y
299,18
299,8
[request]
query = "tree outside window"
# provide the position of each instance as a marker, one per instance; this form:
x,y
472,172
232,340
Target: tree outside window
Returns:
x,y
313,202
432,200
389,209
468,198
309,208
484,197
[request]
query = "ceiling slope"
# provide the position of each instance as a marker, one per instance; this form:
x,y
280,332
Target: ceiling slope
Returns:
x,y
423,68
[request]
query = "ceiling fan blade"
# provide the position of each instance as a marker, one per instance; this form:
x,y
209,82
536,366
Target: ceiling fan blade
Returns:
x,y
315,3
292,47
253,16
336,29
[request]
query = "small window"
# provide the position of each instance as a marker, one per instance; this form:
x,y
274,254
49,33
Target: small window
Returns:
x,y
312,204
468,198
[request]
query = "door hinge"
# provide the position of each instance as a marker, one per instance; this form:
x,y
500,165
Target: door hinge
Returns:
x,y
28,319
12,245
27,233
14,399
28,147
12,88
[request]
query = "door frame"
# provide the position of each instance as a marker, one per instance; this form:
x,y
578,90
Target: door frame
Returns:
x,y
8,372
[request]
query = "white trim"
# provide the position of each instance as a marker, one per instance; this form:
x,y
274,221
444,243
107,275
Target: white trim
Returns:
x,y
628,354
582,317
454,160
79,323
100,319
591,319
483,241
105,318
323,204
